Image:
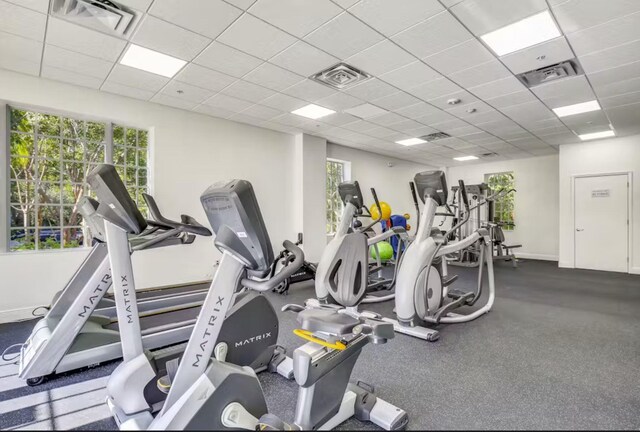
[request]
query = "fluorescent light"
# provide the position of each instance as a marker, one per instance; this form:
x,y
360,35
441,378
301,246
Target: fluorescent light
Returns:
x,y
577,108
313,111
411,141
530,31
152,61
465,158
596,135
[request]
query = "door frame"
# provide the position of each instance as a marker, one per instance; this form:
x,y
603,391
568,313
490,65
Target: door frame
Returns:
x,y
629,175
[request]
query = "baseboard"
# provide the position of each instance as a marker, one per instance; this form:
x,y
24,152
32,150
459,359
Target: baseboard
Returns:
x,y
17,314
634,270
566,264
532,256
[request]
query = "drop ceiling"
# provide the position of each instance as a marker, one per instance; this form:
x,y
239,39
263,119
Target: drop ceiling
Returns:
x,y
249,61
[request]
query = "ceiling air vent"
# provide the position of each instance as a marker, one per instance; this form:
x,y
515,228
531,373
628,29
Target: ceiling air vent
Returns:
x,y
435,136
101,15
554,72
341,76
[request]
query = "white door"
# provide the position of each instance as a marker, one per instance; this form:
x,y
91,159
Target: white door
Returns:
x,y
601,228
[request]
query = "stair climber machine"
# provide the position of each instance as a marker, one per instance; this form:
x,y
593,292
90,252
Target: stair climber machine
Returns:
x,y
248,336
207,393
80,329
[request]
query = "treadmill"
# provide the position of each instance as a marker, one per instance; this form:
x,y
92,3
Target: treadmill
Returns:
x,y
81,327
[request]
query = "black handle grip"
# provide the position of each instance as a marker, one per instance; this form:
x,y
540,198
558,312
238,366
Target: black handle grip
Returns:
x,y
282,274
414,195
375,199
463,194
190,226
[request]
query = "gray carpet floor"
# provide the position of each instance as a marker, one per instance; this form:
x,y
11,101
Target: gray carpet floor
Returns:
x,y
560,350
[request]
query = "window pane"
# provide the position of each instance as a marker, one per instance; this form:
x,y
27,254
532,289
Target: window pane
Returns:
x,y
118,135
21,217
95,131
73,128
49,193
94,152
72,237
142,177
48,216
49,148
118,155
22,121
142,139
130,179
49,170
22,192
70,216
49,125
21,145
131,156
73,172
142,157
22,168
71,192
49,238
131,137
72,150
22,240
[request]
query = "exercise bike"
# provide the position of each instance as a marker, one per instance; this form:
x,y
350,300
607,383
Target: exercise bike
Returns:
x,y
248,336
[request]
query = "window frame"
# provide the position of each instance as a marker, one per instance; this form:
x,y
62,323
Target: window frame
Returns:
x,y
109,144
346,176
498,204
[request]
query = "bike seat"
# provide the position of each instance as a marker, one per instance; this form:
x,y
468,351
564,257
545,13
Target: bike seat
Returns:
x,y
326,321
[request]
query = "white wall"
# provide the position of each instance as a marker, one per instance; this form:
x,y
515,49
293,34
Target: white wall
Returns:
x,y
599,157
536,201
190,151
372,170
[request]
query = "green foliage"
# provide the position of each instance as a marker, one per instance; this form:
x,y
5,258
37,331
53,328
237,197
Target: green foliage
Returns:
x,y
504,207
335,176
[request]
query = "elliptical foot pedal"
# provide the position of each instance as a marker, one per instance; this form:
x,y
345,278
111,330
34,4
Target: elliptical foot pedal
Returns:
x,y
456,294
270,422
449,281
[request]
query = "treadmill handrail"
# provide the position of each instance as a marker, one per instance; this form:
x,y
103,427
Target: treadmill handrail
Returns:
x,y
188,224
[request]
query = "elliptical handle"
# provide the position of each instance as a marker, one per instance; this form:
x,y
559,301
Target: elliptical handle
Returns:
x,y
463,194
283,274
375,199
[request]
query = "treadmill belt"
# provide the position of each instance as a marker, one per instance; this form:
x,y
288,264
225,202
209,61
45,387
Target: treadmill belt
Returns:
x,y
162,319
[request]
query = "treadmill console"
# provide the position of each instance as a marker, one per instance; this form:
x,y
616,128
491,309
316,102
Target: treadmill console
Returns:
x,y
116,204
432,184
234,214
350,192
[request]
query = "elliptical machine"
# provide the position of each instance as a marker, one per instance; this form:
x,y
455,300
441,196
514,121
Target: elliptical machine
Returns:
x,y
248,336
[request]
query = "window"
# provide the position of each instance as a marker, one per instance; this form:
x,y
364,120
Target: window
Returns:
x,y
503,209
337,172
50,157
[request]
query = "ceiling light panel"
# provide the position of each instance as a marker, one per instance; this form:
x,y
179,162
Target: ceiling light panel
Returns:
x,y
530,31
411,141
577,108
151,61
465,158
313,111
597,135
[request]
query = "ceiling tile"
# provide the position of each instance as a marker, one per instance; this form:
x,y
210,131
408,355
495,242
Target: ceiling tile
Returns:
x,y
361,126
418,110
607,35
497,88
481,74
298,17
339,101
387,119
381,58
405,125
442,102
180,103
187,92
41,6
538,56
161,36
366,110
22,22
344,36
372,89
82,40
578,15
309,90
515,98
227,60
140,5
396,101
123,90
273,77
304,59
242,4
20,54
437,117
528,111
611,76
463,56
435,89
484,16
386,17
436,34
209,18
611,58
345,3
618,88
588,119
381,132
255,37
410,76
339,119
262,112
228,103
564,92
462,111
290,119
70,77
284,102
245,118
203,77
79,63
137,78
448,125
248,91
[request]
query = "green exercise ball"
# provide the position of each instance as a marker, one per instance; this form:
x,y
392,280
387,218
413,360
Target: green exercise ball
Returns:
x,y
385,249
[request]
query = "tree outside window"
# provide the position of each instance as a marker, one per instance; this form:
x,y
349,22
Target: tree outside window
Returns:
x,y
504,207
50,157
335,175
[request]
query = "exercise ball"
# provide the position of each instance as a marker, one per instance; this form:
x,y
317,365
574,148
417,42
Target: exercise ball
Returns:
x,y
386,211
385,249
